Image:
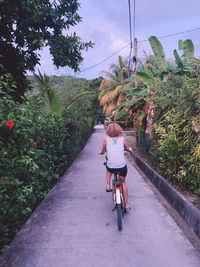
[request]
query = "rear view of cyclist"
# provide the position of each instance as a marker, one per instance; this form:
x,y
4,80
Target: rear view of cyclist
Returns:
x,y
115,144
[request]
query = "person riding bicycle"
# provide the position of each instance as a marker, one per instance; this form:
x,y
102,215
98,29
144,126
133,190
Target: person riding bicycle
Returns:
x,y
115,144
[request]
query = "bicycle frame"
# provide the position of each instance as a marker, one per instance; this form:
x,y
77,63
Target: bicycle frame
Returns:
x,y
117,190
118,198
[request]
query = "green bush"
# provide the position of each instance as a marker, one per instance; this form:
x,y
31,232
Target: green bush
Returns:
x,y
36,147
175,146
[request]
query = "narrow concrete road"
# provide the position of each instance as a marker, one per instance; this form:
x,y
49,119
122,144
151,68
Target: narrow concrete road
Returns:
x,y
75,226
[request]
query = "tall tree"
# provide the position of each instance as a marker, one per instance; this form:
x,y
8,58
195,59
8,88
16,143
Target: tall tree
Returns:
x,y
27,26
109,95
119,71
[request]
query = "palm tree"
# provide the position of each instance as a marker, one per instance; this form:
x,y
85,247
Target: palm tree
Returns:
x,y
109,96
53,102
119,72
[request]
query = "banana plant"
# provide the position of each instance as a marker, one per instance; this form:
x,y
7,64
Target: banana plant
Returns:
x,y
147,77
183,66
158,52
188,49
136,99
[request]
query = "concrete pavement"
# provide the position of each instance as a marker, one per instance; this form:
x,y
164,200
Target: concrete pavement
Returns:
x,y
75,226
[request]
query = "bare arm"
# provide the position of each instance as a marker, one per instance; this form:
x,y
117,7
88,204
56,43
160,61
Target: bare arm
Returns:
x,y
103,150
127,148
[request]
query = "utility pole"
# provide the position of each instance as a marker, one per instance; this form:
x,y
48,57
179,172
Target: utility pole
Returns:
x,y
135,59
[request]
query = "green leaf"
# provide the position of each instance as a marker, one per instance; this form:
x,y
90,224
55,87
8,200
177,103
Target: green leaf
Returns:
x,y
143,93
178,59
132,90
138,101
128,80
35,41
121,105
188,50
180,44
158,52
147,77
121,114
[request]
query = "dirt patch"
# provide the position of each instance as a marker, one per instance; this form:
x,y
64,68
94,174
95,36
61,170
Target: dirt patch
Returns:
x,y
131,141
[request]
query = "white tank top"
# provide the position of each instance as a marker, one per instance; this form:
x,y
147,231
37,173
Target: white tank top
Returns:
x,y
115,152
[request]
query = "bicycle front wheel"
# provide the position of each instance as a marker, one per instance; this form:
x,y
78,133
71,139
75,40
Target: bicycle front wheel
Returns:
x,y
119,216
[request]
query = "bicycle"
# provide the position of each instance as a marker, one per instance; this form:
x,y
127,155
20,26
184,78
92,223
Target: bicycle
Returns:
x,y
118,199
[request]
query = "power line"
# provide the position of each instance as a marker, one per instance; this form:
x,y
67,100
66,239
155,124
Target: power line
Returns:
x,y
130,29
173,34
165,36
105,58
134,17
130,24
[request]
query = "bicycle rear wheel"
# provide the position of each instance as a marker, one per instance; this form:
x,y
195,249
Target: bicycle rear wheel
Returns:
x,y
119,217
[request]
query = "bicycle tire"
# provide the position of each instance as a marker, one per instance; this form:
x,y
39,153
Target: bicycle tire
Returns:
x,y
119,217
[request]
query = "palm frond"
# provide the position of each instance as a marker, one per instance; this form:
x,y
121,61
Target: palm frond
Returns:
x,y
107,85
53,101
116,91
121,62
110,75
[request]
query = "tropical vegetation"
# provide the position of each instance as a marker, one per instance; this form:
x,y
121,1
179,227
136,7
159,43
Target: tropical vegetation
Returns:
x,y
44,121
29,26
164,109
39,139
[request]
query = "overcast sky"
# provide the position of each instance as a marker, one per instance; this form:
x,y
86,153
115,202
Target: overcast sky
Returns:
x,y
106,23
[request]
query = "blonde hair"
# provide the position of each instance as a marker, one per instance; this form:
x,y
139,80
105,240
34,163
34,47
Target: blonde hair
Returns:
x,y
114,130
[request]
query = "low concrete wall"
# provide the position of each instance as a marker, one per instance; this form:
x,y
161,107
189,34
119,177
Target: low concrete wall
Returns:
x,y
186,210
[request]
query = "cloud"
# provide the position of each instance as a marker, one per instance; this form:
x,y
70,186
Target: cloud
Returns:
x,y
106,23
118,44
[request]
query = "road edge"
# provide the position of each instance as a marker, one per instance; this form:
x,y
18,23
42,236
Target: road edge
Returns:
x,y
187,211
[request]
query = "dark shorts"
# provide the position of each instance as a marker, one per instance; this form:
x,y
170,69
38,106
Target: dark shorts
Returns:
x,y
122,171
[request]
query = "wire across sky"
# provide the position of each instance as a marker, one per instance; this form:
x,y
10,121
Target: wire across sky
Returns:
x,y
161,37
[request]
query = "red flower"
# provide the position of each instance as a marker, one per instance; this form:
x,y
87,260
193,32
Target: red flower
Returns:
x,y
15,83
1,180
10,123
35,144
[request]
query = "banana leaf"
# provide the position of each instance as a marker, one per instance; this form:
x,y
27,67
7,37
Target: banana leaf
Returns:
x,y
128,80
188,50
121,114
133,90
178,59
138,101
147,78
180,44
121,105
158,52
143,93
